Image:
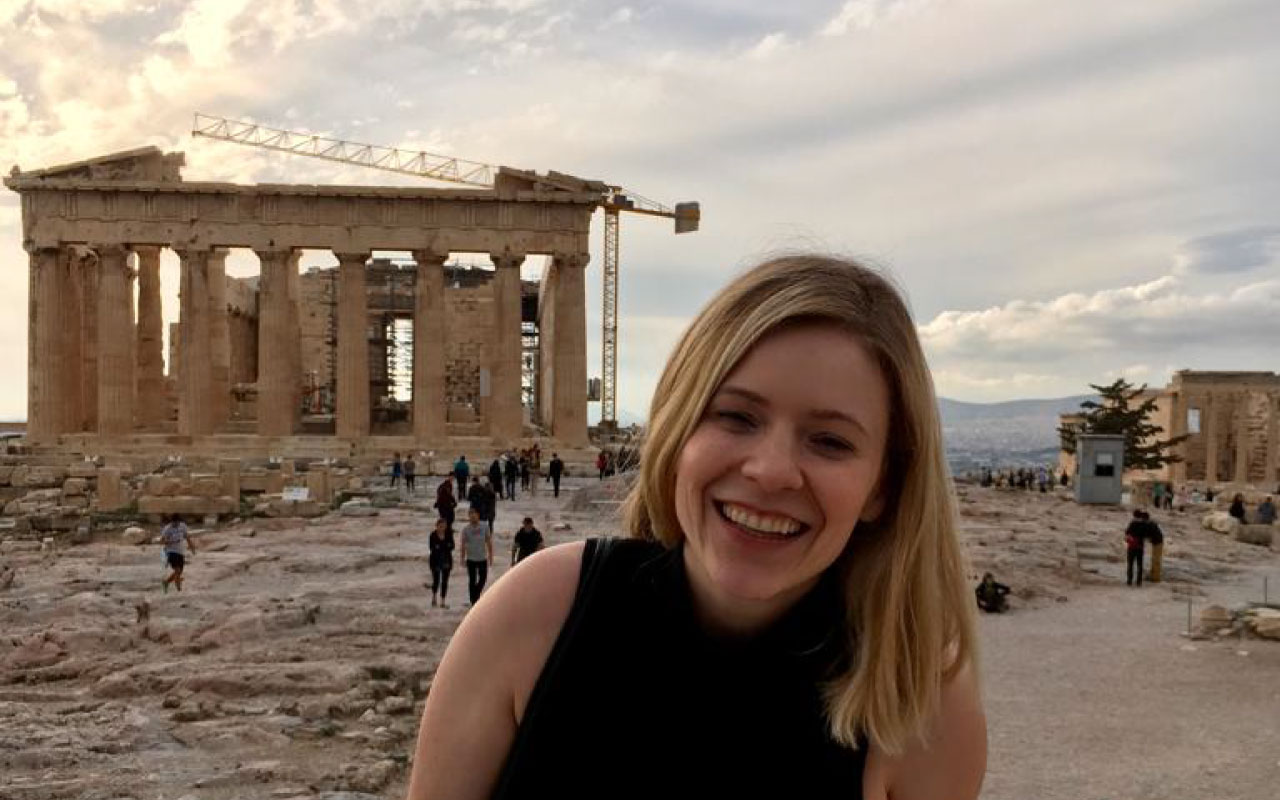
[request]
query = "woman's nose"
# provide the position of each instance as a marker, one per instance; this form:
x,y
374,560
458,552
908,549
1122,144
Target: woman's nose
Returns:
x,y
772,462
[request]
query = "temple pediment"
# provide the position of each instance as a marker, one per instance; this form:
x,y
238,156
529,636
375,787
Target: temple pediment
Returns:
x,y
143,164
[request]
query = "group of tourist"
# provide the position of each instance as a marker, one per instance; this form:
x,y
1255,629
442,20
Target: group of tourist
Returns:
x,y
1264,514
482,496
610,462
1025,478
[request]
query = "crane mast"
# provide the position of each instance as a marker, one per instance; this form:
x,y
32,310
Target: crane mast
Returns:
x,y
422,164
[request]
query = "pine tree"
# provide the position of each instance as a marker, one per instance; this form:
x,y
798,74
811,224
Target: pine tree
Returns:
x,y
1113,413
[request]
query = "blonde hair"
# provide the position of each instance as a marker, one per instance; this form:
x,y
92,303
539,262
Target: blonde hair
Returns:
x,y
906,596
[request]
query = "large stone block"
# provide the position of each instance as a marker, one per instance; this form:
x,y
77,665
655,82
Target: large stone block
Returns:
x,y
44,476
274,483
229,470
5,472
1255,534
253,481
18,475
112,494
1221,522
75,486
83,469
206,486
186,504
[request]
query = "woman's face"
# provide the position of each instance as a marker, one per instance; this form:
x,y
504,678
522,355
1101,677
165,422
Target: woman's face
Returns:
x,y
783,464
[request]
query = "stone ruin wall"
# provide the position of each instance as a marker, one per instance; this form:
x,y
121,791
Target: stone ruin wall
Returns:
x,y
468,315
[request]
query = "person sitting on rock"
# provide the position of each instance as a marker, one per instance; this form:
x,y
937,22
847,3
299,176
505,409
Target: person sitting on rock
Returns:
x,y
991,595
1237,507
1266,514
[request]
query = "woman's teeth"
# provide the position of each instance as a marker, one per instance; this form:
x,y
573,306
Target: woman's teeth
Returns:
x,y
777,526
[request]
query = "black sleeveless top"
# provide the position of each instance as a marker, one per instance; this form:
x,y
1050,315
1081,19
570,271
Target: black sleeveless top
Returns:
x,y
636,700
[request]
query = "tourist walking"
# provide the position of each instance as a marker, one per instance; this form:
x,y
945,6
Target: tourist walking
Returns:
x,y
527,541
440,544
477,552
176,541
791,541
525,466
555,470
397,469
461,473
602,461
445,501
484,501
495,477
511,472
1134,540
410,472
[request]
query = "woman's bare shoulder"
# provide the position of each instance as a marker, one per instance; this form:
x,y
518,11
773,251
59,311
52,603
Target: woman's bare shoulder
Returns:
x,y
951,764
489,670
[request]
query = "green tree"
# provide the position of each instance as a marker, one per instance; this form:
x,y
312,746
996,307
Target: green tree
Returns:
x,y
1114,413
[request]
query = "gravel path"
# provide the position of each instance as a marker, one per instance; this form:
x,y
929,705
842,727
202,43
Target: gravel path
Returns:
x,y
1103,698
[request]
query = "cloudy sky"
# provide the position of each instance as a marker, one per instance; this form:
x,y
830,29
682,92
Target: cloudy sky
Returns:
x,y
1066,191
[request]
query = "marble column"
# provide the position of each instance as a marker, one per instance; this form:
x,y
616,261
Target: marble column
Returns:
x,y
429,336
195,375
1209,427
569,414
1273,446
1241,473
45,416
219,341
276,383
115,347
150,350
295,332
88,264
352,418
506,413
1178,427
69,378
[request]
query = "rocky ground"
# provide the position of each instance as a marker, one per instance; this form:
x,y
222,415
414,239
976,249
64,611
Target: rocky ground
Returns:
x,y
296,662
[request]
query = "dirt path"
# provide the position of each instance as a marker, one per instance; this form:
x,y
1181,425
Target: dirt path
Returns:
x,y
1101,698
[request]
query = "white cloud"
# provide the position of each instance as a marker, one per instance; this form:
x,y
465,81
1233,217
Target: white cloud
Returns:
x,y
856,15
769,46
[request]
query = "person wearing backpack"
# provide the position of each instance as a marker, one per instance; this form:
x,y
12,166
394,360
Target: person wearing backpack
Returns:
x,y
1134,540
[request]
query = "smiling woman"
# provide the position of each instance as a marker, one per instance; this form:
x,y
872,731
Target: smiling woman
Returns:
x,y
789,615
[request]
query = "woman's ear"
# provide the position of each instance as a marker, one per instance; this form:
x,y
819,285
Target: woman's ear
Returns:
x,y
874,506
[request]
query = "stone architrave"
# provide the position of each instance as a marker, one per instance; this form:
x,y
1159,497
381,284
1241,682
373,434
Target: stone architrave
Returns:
x,y
150,351
429,340
1241,475
88,265
277,410
569,413
72,347
195,380
115,342
46,417
506,418
219,340
1209,427
353,348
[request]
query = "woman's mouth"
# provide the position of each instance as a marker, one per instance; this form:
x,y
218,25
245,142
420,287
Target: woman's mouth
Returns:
x,y
770,527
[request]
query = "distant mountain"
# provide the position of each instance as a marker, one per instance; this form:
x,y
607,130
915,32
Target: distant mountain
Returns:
x,y
958,411
1013,433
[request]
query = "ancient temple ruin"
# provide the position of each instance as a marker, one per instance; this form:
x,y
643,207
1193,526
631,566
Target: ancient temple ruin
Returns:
x,y
290,361
1232,423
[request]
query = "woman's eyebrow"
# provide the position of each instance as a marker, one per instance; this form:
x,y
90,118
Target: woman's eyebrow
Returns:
x,y
820,413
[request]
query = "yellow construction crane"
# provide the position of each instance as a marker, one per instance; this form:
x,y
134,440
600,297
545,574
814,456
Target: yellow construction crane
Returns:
x,y
614,200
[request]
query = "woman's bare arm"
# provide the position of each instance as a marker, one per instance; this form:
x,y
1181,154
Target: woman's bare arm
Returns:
x,y
483,683
951,765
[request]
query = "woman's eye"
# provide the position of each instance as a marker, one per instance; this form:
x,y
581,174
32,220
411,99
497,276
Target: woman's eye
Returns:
x,y
833,444
735,419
